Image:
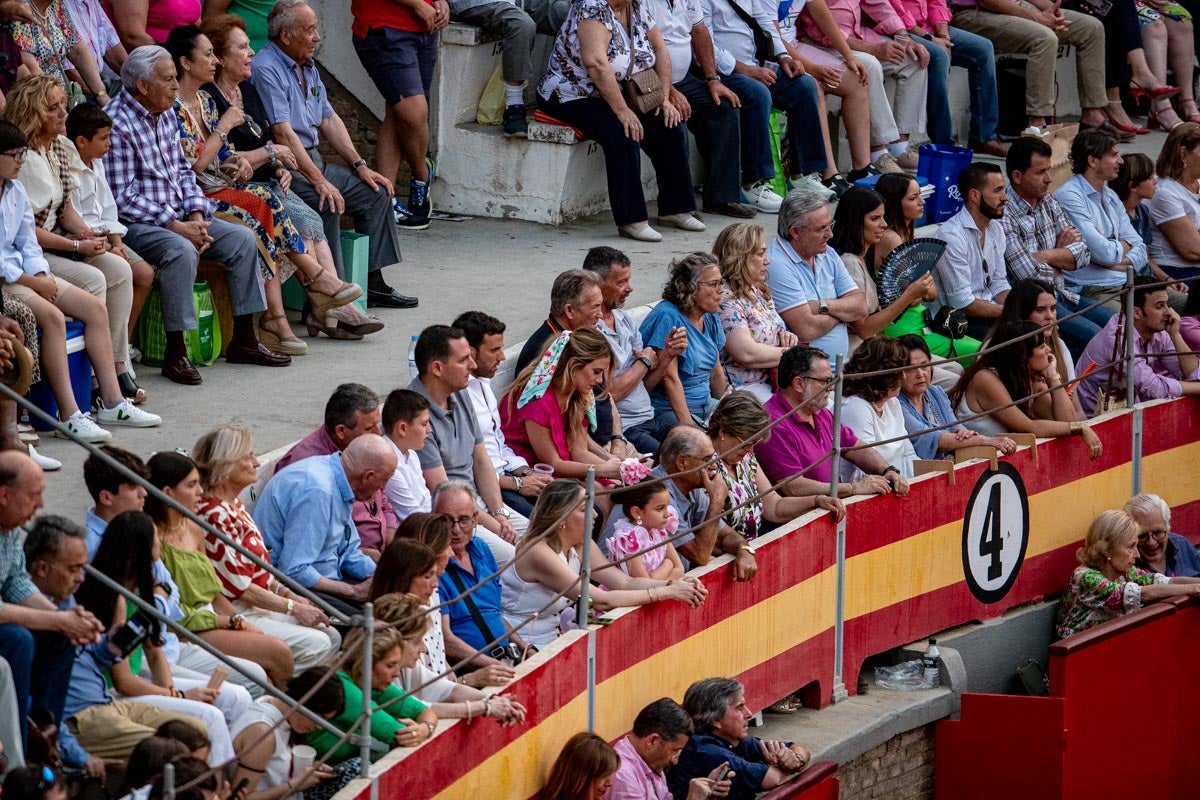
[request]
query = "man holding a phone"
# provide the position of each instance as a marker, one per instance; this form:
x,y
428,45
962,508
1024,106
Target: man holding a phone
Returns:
x,y
660,732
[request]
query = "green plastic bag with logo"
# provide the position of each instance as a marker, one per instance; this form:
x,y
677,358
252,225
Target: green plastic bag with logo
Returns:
x,y
778,127
203,343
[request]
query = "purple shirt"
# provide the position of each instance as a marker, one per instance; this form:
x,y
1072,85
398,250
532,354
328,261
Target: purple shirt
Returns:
x,y
795,444
373,517
634,780
1153,378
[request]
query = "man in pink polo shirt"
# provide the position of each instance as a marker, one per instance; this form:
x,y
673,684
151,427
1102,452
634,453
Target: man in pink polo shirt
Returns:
x,y
800,446
660,732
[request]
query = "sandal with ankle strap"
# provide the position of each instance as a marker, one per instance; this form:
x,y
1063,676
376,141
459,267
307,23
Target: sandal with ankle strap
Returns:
x,y
285,346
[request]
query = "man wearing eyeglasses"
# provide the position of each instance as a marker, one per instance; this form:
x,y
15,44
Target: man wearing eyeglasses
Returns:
x,y
810,286
971,276
800,446
1159,549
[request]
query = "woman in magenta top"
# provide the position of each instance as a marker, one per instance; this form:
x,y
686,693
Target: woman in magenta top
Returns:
x,y
550,407
140,22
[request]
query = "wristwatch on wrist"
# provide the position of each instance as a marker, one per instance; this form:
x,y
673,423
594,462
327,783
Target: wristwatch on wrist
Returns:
x,y
889,468
823,307
712,79
645,361
516,484
500,512
237,622
362,162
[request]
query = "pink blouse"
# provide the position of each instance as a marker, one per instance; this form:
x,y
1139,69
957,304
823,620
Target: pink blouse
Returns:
x,y
545,412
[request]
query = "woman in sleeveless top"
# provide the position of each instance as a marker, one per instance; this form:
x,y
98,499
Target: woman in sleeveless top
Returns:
x,y
550,568
1026,366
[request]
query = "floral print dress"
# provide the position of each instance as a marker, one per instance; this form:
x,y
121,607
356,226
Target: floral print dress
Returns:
x,y
628,538
566,74
254,205
1092,598
756,314
742,482
50,41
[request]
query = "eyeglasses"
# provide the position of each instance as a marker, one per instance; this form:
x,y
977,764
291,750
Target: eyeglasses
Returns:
x,y
463,523
713,284
16,155
823,229
825,382
1144,537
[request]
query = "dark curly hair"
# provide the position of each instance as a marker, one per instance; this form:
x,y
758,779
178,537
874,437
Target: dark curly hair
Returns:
x,y
876,353
684,279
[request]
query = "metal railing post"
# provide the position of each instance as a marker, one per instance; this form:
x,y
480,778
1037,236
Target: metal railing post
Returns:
x,y
1130,394
168,781
364,750
582,609
839,612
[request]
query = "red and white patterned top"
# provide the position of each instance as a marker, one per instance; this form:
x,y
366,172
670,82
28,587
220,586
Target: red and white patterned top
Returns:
x,y
236,571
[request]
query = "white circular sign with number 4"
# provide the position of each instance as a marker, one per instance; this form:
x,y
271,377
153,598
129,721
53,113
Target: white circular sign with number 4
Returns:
x,y
995,533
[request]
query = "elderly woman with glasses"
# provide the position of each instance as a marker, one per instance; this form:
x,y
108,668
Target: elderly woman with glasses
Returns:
x,y
739,422
1108,584
691,301
1160,550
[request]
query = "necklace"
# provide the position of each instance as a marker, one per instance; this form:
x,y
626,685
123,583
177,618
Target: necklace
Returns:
x,y
165,530
40,15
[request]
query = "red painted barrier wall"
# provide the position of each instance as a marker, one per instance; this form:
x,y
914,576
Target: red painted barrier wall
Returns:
x,y
1122,719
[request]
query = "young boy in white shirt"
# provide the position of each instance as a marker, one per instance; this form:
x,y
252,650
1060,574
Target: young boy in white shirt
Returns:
x,y
406,426
89,128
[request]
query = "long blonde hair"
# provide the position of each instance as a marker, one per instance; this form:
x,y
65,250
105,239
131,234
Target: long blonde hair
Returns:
x,y
585,346
28,104
734,248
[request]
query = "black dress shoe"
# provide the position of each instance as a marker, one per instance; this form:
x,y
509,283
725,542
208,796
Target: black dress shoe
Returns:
x,y
739,210
389,298
180,370
257,355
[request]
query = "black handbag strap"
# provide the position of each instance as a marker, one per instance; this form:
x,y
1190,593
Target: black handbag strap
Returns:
x,y
763,41
473,609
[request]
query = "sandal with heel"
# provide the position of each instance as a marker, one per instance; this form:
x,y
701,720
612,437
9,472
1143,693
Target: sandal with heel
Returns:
x,y
284,346
315,321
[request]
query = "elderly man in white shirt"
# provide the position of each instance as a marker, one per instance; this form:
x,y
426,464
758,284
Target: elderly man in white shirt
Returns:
x,y
971,274
519,485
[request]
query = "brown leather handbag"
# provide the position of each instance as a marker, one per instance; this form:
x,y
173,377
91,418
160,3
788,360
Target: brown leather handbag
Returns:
x,y
644,91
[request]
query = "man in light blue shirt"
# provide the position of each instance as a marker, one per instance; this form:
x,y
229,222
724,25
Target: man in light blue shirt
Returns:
x,y
306,520
810,286
1101,219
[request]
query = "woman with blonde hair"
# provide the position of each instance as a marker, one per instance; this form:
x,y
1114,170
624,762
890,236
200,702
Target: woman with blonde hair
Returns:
x,y
550,407
1107,584
225,460
398,719
755,334
583,770
545,579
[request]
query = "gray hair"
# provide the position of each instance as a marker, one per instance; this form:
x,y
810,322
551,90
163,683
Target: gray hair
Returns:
x,y
681,440
1144,505
347,401
47,534
568,289
282,17
798,204
139,66
453,485
707,700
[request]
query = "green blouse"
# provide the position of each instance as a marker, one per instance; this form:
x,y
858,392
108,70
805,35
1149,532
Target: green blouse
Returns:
x,y
384,722
198,584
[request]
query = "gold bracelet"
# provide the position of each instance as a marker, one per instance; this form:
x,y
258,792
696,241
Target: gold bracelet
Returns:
x,y
1076,428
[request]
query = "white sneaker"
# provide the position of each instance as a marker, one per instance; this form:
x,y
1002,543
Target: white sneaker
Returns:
x,y
762,197
84,428
812,183
126,413
47,463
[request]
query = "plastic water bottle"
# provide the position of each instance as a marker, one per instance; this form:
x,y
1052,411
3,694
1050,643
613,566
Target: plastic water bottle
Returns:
x,y
412,356
932,665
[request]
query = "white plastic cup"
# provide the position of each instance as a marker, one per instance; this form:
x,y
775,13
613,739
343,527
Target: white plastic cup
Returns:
x,y
302,758
544,469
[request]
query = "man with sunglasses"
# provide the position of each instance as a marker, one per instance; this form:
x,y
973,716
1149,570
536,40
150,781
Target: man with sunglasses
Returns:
x,y
801,443
810,286
1159,549
971,276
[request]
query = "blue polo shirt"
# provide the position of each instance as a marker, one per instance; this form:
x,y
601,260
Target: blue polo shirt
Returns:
x,y
487,597
794,281
1182,559
704,752
304,106
695,363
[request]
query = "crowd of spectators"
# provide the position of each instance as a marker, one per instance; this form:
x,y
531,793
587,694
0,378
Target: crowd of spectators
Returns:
x,y
456,507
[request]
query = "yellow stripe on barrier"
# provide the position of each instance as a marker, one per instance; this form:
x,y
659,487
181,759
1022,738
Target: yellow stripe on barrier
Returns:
x,y
779,623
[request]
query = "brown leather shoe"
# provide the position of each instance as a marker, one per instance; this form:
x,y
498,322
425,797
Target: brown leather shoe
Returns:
x,y
737,210
994,148
257,355
181,370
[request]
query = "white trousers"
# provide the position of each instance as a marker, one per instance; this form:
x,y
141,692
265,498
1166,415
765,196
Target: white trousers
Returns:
x,y
309,646
208,715
198,659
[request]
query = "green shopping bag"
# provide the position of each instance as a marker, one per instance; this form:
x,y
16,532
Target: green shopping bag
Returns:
x,y
778,127
203,343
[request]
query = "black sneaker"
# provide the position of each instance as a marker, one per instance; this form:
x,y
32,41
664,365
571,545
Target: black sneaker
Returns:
x,y
514,121
836,184
414,215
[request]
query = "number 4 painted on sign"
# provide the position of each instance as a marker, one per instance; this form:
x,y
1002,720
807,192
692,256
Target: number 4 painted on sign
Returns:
x,y
995,533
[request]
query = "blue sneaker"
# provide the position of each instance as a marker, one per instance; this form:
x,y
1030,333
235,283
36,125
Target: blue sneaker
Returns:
x,y
413,215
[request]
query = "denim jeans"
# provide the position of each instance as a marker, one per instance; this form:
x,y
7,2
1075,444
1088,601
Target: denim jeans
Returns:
x,y
41,669
1078,331
758,161
975,54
